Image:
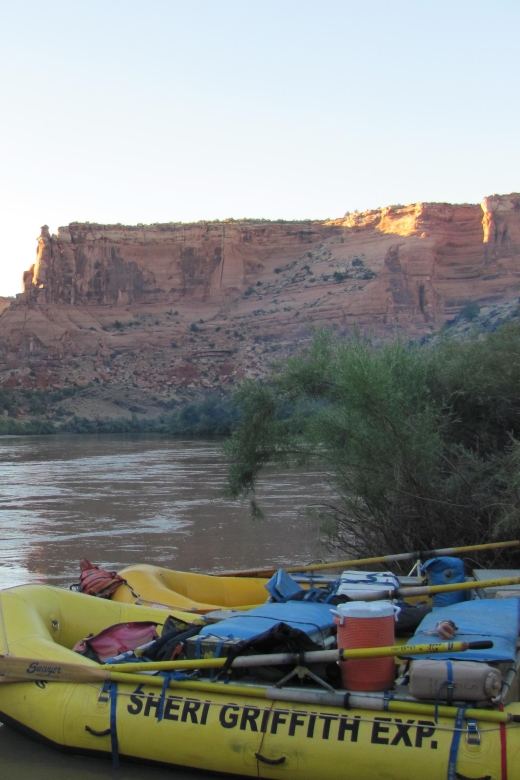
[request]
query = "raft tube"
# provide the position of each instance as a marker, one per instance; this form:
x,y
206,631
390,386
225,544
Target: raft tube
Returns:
x,y
154,586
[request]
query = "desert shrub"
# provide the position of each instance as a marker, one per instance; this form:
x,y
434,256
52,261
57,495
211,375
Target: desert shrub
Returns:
x,y
469,311
421,446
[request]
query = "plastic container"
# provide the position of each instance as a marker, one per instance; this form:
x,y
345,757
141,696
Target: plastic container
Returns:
x,y
360,585
366,624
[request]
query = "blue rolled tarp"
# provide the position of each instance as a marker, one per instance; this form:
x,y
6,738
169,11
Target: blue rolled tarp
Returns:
x,y
314,619
495,619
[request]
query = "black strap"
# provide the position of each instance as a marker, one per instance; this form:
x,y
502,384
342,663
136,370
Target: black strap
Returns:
x,y
113,725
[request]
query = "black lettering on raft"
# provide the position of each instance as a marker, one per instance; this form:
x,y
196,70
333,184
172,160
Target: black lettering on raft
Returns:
x,y
296,720
151,702
353,727
171,704
326,726
248,719
278,719
137,701
229,716
378,728
204,713
402,732
249,716
425,729
265,721
191,707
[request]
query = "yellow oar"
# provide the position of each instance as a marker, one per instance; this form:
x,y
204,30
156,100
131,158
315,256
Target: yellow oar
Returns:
x,y
314,656
78,673
431,590
56,671
411,556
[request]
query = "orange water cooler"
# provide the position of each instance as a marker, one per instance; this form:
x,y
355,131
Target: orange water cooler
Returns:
x,y
366,624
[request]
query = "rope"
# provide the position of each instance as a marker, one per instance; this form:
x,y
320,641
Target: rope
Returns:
x,y
450,729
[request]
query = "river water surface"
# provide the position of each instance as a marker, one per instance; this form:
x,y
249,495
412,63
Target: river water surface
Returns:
x,y
118,500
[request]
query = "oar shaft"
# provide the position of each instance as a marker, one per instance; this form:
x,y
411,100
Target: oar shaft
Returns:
x,y
55,671
380,703
317,656
409,556
430,590
340,699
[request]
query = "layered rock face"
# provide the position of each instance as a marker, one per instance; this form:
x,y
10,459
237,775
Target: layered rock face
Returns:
x,y
175,308
117,265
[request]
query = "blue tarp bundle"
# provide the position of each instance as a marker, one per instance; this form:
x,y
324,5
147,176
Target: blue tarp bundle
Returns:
x,y
315,619
495,619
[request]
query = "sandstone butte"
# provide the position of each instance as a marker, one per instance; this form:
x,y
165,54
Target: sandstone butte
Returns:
x,y
176,309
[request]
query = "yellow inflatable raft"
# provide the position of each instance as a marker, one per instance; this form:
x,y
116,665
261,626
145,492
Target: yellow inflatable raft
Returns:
x,y
222,728
155,586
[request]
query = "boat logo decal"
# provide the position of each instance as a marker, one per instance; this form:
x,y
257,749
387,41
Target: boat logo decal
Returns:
x,y
37,668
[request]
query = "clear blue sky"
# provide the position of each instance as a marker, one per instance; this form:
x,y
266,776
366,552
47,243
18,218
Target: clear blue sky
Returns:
x,y
164,110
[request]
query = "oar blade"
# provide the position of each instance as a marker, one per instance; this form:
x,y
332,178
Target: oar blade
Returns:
x,y
50,671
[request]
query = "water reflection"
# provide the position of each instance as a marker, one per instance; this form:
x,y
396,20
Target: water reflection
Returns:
x,y
122,499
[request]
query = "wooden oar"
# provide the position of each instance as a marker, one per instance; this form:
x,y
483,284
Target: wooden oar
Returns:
x,y
77,673
411,556
33,669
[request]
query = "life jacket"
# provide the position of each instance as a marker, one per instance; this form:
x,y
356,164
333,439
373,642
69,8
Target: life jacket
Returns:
x,y
97,582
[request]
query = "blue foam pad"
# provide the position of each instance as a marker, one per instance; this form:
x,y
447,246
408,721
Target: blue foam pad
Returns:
x,y
315,619
495,619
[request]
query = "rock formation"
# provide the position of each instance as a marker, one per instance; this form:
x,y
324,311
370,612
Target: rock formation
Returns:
x,y
177,308
116,265
5,303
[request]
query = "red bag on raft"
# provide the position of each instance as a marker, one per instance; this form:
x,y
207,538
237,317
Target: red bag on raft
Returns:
x,y
116,639
97,582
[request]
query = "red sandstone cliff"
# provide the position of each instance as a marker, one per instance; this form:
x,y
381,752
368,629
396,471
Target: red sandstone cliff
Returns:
x,y
178,307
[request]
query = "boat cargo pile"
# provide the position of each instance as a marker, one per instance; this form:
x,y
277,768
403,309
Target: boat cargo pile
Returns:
x,y
295,674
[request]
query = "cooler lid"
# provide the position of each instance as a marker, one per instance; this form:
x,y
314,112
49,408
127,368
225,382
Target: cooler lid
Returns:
x,y
365,609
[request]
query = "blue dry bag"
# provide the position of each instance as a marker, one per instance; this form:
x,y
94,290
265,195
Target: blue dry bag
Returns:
x,y
445,571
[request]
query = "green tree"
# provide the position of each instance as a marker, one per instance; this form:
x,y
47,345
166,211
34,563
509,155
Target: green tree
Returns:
x,y
420,445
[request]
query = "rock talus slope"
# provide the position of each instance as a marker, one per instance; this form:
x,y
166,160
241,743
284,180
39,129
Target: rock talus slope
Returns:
x,y
177,308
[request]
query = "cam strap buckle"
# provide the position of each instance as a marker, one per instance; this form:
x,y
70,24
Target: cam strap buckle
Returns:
x,y
472,733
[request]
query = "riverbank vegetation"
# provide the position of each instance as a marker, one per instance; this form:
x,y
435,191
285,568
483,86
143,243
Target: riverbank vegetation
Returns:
x,y
213,415
420,445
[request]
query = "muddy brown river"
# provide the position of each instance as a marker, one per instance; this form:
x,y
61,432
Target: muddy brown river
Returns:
x,y
118,500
